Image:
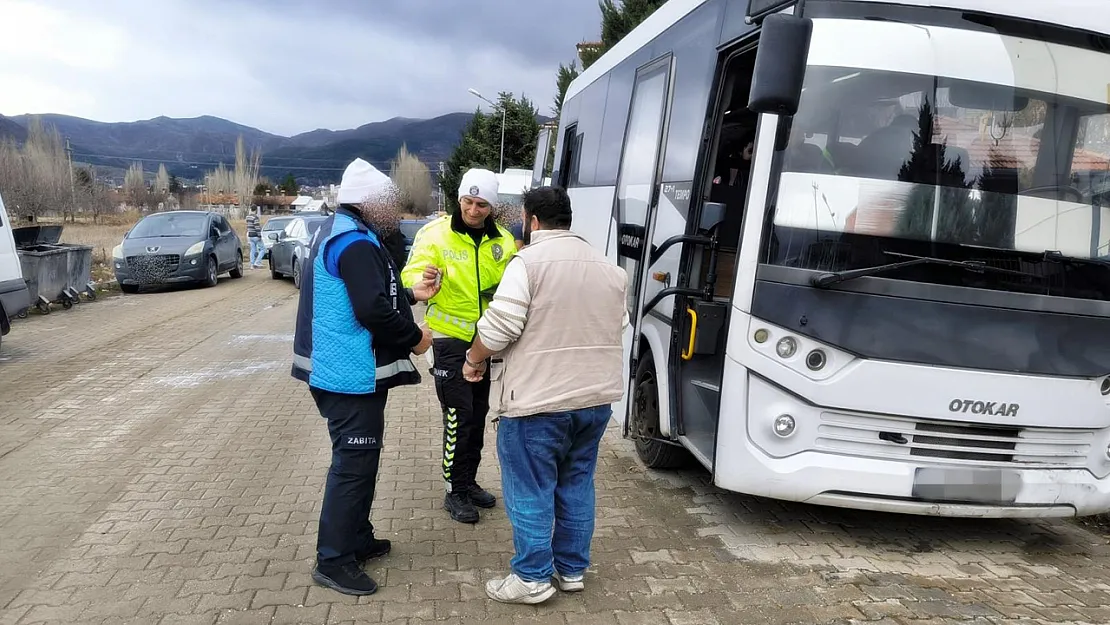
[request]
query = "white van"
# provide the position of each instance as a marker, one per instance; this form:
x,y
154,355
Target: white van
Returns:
x,y
14,297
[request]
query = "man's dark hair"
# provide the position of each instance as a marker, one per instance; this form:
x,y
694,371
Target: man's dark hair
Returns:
x,y
550,205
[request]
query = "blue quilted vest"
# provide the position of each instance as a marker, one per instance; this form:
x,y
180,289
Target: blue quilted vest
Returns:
x,y
332,351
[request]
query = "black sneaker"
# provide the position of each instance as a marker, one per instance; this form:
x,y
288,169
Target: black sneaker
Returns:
x,y
480,497
376,549
460,508
347,579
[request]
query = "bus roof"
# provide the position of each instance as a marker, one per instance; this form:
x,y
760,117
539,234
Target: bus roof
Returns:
x,y
1079,14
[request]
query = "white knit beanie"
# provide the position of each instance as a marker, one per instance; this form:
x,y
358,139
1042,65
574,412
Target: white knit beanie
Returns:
x,y
479,183
361,181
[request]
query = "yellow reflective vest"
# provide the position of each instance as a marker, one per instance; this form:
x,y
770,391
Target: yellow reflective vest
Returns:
x,y
471,272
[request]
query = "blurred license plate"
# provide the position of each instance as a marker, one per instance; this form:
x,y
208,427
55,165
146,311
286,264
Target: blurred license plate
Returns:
x,y
994,486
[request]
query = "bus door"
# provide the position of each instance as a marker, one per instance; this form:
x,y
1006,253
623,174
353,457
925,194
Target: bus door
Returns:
x,y
637,193
701,329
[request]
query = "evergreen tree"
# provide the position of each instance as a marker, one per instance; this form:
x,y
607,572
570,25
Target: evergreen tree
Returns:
x,y
480,144
996,213
289,185
930,169
617,20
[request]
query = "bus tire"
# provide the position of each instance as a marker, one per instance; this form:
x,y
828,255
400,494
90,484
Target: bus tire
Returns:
x,y
644,426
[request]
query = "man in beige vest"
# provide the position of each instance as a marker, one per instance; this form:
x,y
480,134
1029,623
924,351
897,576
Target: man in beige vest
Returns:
x,y
554,331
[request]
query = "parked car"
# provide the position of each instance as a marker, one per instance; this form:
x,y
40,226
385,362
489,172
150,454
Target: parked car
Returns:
x,y
273,226
291,247
177,247
14,295
409,228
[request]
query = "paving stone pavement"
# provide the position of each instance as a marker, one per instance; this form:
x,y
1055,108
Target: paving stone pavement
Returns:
x,y
159,465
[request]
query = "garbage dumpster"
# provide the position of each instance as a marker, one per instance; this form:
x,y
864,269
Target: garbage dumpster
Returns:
x,y
54,271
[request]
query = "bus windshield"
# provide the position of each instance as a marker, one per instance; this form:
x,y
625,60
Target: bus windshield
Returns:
x,y
959,145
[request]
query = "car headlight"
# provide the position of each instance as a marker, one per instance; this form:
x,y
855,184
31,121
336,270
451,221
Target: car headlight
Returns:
x,y
195,248
117,252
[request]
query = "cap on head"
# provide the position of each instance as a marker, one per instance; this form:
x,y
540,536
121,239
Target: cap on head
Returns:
x,y
361,180
479,183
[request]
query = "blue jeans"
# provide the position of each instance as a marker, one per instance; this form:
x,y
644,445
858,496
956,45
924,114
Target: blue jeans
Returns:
x,y
547,480
257,250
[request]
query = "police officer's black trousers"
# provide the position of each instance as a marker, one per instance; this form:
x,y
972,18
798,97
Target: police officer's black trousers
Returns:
x,y
356,424
465,407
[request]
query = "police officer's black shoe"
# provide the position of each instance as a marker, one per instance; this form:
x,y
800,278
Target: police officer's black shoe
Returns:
x,y
480,497
347,579
376,549
460,508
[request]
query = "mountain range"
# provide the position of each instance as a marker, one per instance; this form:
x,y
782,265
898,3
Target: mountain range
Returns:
x,y
191,147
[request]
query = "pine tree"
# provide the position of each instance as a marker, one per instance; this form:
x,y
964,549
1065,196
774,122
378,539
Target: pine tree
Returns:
x,y
480,144
929,169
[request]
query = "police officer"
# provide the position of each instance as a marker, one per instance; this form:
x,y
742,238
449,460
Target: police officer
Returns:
x,y
354,334
467,253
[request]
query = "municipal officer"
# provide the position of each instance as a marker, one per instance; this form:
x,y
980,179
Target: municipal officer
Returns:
x,y
354,334
466,254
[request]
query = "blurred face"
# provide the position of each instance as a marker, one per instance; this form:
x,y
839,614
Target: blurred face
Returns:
x,y
474,211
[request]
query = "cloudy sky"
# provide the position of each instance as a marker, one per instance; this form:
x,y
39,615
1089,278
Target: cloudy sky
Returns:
x,y
284,66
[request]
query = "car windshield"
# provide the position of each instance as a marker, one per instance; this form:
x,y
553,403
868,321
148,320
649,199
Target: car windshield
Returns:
x,y
277,223
170,225
995,157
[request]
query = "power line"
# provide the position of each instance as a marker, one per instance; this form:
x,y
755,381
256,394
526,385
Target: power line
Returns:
x,y
216,164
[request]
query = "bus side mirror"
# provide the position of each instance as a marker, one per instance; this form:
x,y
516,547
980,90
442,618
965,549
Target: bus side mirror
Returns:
x,y
780,64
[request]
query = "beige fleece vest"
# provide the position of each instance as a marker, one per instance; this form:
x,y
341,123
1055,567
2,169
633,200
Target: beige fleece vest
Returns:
x,y
570,354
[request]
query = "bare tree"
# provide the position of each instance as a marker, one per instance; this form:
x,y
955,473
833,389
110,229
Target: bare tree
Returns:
x,y
218,181
413,181
246,175
134,187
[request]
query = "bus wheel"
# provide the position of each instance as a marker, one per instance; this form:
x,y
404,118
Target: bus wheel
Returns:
x,y
644,427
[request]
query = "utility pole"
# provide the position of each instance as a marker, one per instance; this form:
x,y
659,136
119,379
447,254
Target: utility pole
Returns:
x,y
442,195
504,111
72,188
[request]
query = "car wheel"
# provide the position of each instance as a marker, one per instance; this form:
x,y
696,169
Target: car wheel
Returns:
x,y
237,271
296,273
130,289
211,272
274,273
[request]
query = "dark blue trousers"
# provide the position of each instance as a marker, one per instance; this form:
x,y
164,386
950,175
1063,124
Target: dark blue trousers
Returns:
x,y
356,424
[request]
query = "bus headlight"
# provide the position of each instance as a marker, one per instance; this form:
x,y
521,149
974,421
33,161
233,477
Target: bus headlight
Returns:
x,y
786,347
784,425
815,360
1105,388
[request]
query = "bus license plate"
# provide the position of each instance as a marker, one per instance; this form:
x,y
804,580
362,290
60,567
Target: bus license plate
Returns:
x,y
993,486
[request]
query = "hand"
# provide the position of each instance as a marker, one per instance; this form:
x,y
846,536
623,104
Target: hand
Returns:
x,y
428,286
425,341
472,373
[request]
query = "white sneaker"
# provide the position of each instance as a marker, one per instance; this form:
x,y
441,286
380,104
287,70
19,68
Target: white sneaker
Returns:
x,y
570,583
512,589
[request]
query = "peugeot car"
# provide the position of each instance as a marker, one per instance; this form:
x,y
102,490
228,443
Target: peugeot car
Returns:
x,y
177,247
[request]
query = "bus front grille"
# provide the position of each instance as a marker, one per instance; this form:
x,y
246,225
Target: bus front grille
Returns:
x,y
954,442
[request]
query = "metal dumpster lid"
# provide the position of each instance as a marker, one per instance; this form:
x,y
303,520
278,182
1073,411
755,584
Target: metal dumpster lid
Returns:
x,y
37,235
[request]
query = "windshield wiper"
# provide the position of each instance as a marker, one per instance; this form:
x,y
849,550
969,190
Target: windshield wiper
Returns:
x,y
1055,256
827,279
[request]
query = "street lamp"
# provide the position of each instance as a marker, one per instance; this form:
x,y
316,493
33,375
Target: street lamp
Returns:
x,y
475,92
